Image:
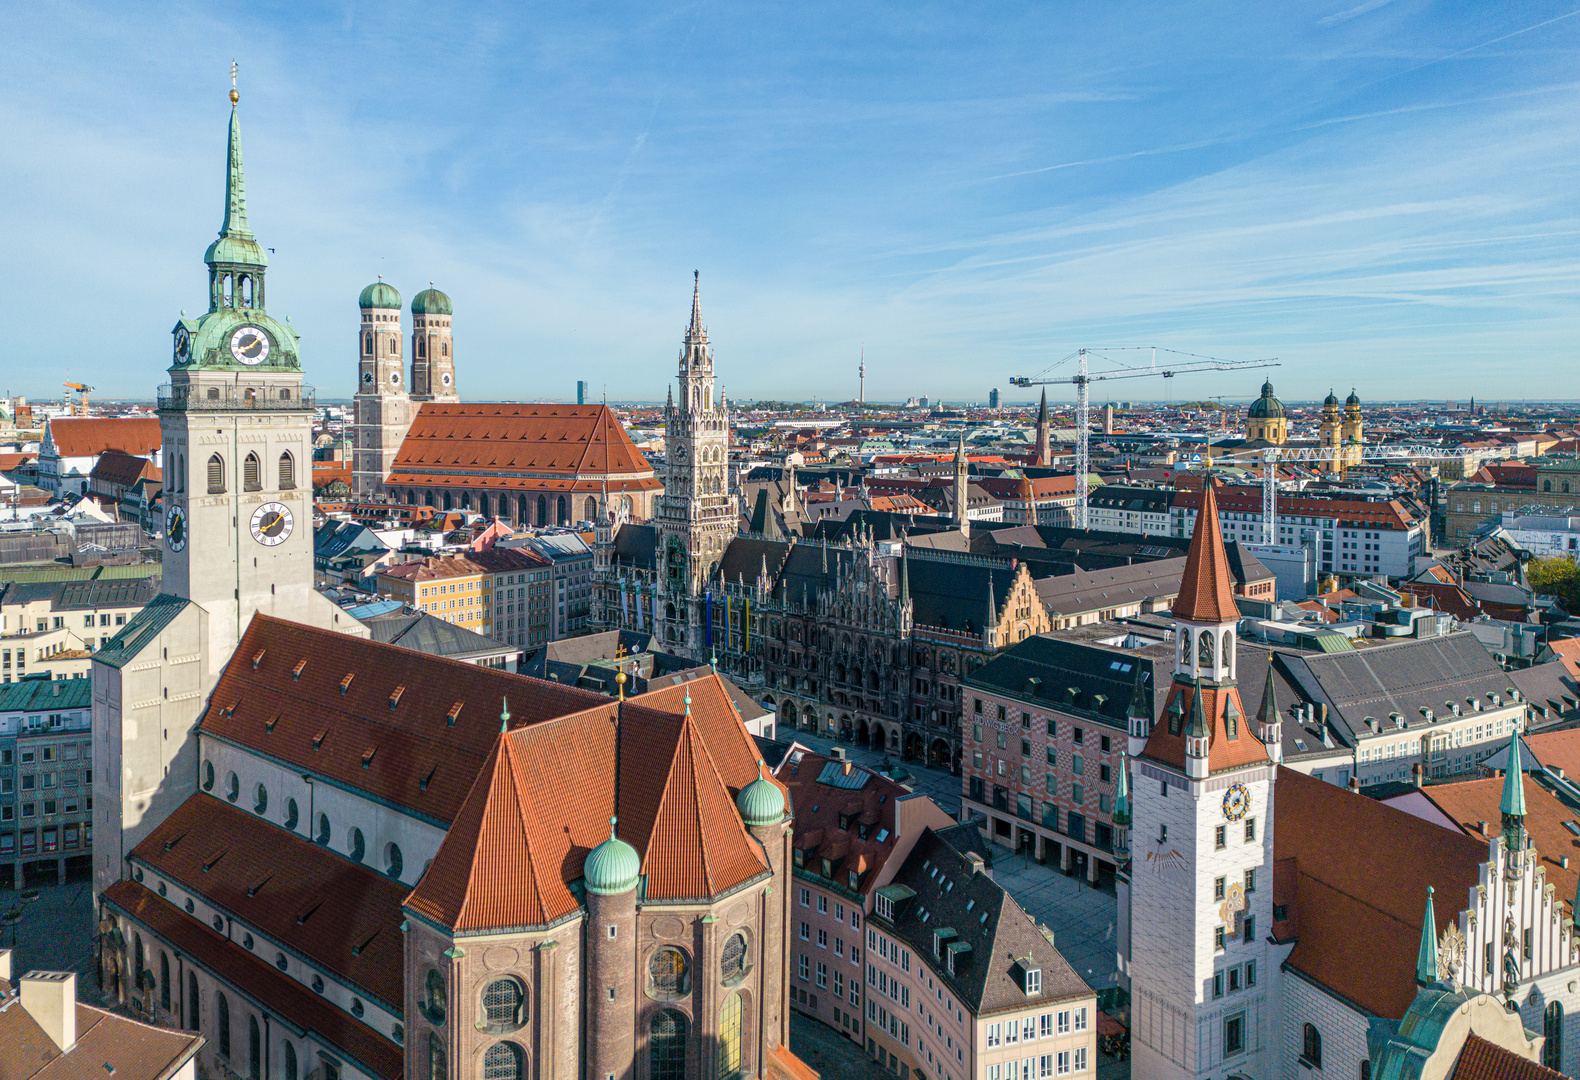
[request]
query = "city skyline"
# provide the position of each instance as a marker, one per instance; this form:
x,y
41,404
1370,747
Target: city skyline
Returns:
x,y
1369,192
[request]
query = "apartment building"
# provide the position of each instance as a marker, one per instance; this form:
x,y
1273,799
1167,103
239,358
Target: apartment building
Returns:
x,y
46,779
1124,509
572,581
92,609
520,580
1353,536
961,983
57,653
853,828
452,587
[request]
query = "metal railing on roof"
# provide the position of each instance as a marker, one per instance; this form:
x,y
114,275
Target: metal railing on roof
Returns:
x,y
241,399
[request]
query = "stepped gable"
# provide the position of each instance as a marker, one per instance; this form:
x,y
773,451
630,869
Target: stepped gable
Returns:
x,y
543,801
343,916
1206,591
397,725
495,445
1354,908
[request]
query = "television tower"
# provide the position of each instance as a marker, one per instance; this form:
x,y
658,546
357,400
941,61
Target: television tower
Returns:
x,y
861,373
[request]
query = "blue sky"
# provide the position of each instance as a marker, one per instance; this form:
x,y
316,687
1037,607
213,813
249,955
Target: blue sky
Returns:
x,y
1381,194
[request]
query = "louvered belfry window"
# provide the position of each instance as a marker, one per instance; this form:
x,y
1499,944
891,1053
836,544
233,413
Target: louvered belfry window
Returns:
x,y
287,471
216,475
250,480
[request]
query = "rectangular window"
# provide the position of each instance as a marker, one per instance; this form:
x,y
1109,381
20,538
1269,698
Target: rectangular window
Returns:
x,y
822,976
806,931
1250,881
802,968
1250,829
1217,938
1250,973
1234,979
1217,984
1064,1062
1217,888
822,938
822,905
994,1036
1045,1025
1080,1018
1080,1059
1234,1034
1064,1023
1250,928
1218,837
806,898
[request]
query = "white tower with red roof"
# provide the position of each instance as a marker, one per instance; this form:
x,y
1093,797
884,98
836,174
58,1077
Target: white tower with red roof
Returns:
x,y
1201,887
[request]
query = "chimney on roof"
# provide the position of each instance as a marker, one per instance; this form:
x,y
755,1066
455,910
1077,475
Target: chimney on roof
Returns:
x,y
837,753
977,865
1355,783
50,998
1417,774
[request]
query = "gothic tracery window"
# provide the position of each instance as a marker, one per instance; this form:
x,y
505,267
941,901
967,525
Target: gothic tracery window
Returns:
x,y
1204,648
666,1046
502,1005
668,974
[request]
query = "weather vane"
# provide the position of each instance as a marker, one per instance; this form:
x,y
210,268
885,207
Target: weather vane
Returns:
x,y
234,97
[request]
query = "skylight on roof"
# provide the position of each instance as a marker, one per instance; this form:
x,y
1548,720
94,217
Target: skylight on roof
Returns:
x,y
971,903
883,834
1300,744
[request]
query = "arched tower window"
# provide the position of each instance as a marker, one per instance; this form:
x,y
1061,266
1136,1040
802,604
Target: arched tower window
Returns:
x,y
139,964
224,1025
250,478
482,504
590,510
730,1038
394,344
1204,648
290,1060
543,510
216,475
422,349
504,1003
503,1061
434,1001
1553,1028
562,512
1311,1046
254,1050
287,471
194,1001
732,964
357,846
444,348
523,508
438,1064
669,975
666,1046
164,980
367,343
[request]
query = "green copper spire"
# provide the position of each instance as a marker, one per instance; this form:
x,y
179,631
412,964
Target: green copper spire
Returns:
x,y
236,245
1513,804
1122,794
1426,956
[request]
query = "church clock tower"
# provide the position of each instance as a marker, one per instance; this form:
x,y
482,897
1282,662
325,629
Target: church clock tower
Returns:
x,y
696,515
236,427
382,406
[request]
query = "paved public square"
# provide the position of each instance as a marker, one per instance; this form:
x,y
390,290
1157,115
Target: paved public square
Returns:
x,y
55,933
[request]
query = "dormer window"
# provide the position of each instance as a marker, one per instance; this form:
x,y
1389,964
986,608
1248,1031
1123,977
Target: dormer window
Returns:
x,y
1033,981
799,857
828,868
886,910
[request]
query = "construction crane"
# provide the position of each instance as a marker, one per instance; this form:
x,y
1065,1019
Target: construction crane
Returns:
x,y
1083,379
1401,454
82,390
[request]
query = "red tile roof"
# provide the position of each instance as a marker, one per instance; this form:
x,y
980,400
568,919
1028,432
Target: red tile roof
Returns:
x,y
89,436
453,444
258,979
1482,1060
281,695
1343,861
309,899
819,808
1225,753
545,796
1206,589
107,1045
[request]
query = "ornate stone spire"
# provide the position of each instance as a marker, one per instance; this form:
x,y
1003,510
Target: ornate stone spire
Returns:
x,y
696,333
1426,955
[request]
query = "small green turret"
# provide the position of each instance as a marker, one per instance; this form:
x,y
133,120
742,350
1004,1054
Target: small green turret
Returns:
x,y
1426,955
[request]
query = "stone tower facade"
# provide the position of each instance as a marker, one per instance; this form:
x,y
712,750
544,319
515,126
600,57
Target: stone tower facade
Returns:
x,y
1200,886
696,516
432,347
1329,434
1044,434
1350,430
237,443
382,405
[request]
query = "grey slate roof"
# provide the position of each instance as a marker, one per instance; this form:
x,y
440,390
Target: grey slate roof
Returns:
x,y
425,633
1091,669
949,893
105,592
636,545
1549,687
140,630
953,594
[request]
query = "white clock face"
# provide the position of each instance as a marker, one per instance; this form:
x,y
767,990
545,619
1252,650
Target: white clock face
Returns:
x,y
271,524
249,345
176,528
367,378
445,378
183,346
394,378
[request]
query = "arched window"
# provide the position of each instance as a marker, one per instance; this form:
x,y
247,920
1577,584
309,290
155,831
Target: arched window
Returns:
x,y
1547,485
444,348
482,504
287,471
208,776
543,510
1204,648
260,799
394,344
449,501
139,964
1226,648
1366,1069
393,861
625,505
367,343
503,1061
1311,1046
288,1055
216,474
590,509
250,478
562,511
433,998
356,845
213,393
438,1064
1553,1028
193,1002
732,965
224,1024
291,813
232,787
666,1046
323,828
730,1039
503,1006
164,981
668,975
422,348
254,1050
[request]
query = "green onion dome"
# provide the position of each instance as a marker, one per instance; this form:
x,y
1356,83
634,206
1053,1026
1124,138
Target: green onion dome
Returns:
x,y
1352,399
1266,407
380,294
612,867
430,302
1330,399
761,802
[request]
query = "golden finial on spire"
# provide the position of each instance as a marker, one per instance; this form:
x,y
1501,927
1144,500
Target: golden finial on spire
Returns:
x,y
234,97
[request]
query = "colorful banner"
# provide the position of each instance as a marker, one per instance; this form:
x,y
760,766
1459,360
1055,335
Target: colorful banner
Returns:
x,y
639,623
625,604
